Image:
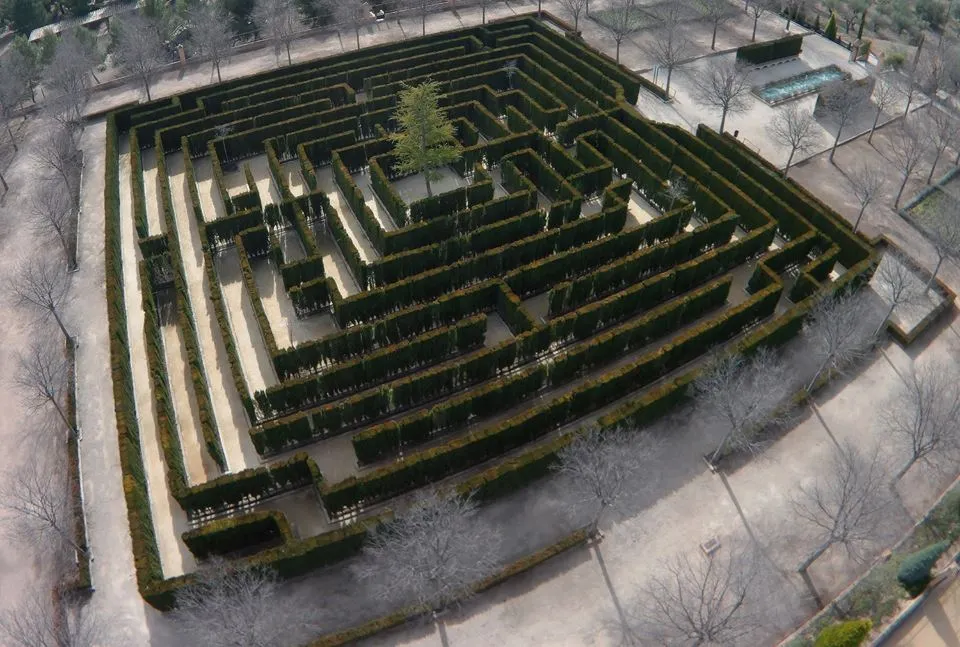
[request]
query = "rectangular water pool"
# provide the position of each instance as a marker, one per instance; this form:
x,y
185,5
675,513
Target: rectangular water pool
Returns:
x,y
798,85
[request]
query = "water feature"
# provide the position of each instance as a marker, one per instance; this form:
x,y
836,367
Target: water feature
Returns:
x,y
798,85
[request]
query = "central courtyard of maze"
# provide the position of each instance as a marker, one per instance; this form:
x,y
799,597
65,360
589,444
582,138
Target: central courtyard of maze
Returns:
x,y
292,316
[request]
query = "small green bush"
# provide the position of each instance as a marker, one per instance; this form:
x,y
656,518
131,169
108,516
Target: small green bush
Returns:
x,y
844,634
830,31
894,59
914,574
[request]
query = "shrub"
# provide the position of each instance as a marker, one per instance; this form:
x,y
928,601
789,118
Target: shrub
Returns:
x,y
830,31
844,634
914,573
757,53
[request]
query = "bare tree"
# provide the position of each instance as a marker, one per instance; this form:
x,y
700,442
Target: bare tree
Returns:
x,y
745,394
229,604
353,14
52,217
922,414
431,555
758,8
69,74
39,619
943,230
791,9
42,283
885,94
42,378
15,84
845,505
56,157
574,8
866,182
896,282
620,20
716,12
940,129
906,148
701,600
37,497
842,101
278,21
211,33
795,129
724,86
138,49
669,46
838,331
603,466
677,190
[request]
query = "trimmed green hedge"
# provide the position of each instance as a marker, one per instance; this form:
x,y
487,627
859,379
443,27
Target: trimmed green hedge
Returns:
x,y
914,573
757,53
241,533
851,633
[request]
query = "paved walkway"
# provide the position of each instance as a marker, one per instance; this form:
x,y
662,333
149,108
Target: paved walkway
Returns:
x,y
936,623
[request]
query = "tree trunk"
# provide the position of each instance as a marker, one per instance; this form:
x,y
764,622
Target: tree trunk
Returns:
x,y
618,50
713,41
723,443
859,216
909,99
6,187
93,74
816,376
69,253
483,13
902,471
788,20
13,140
723,119
539,7
63,416
217,65
146,86
836,142
786,169
669,74
289,58
810,587
753,38
883,322
63,329
357,30
423,24
426,179
896,203
933,277
876,120
933,166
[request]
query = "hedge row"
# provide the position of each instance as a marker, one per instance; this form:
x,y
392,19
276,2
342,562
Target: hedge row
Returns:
x,y
187,323
74,477
139,202
253,293
242,533
297,272
382,187
218,179
757,53
461,453
373,368
216,295
222,231
355,341
354,197
450,202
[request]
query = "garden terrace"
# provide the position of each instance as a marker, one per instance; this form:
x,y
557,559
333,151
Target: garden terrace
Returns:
x,y
325,316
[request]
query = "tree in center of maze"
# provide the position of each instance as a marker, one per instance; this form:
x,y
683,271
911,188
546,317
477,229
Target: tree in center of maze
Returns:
x,y
425,138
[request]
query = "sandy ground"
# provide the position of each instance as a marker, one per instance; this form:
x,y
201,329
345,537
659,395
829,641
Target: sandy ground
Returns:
x,y
155,224
291,171
235,181
257,367
200,467
497,331
210,201
266,187
167,514
327,184
373,202
936,623
639,211
288,330
227,408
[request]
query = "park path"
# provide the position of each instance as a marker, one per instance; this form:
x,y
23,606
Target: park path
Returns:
x,y
166,512
210,200
196,459
936,623
232,423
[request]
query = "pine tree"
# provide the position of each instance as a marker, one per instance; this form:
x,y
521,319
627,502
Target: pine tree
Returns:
x,y
830,31
425,138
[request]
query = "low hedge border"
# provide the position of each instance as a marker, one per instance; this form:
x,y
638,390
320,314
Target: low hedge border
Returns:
x,y
83,583
241,533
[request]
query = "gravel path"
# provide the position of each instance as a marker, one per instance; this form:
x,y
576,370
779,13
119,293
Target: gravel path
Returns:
x,y
227,407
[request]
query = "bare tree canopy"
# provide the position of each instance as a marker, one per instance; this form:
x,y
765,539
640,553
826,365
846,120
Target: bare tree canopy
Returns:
x,y
351,14
724,86
906,149
897,283
716,12
37,621
137,46
42,378
922,415
56,158
603,466
758,8
70,71
431,555
211,32
669,46
574,9
845,505
278,21
942,228
745,394
42,283
701,600
843,101
866,182
839,331
231,605
620,20
52,217
794,128
16,83
941,131
885,94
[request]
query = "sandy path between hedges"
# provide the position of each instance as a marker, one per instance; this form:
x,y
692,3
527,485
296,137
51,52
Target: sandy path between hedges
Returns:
x,y
291,171
196,459
167,514
232,422
148,160
287,328
210,201
266,187
326,183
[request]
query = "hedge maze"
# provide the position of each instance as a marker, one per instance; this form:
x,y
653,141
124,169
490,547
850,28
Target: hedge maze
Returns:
x,y
555,281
